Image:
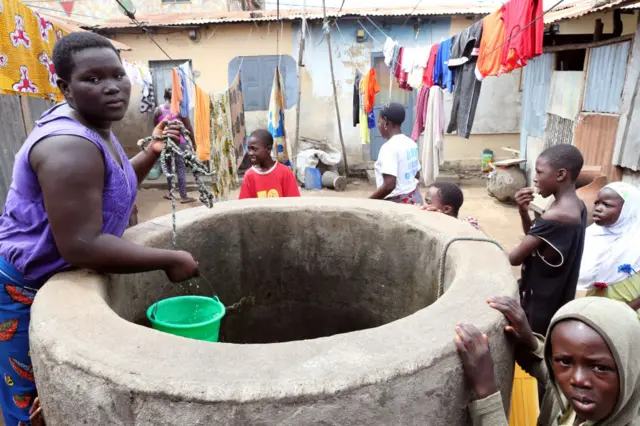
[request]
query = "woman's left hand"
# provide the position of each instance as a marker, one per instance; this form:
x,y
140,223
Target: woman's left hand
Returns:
x,y
473,347
35,413
164,129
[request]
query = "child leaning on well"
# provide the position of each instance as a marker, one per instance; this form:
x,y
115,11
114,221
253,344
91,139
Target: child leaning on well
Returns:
x,y
551,250
447,198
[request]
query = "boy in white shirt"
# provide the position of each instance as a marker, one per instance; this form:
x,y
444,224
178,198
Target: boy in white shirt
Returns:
x,y
398,167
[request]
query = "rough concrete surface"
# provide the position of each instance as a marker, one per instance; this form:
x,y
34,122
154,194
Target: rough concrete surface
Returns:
x,y
366,270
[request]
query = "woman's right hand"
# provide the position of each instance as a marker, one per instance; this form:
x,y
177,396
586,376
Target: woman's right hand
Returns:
x,y
182,266
519,330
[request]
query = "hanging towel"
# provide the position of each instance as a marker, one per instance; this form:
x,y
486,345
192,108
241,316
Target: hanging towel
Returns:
x,y
176,92
388,50
421,113
222,153
282,150
202,123
433,142
26,45
237,118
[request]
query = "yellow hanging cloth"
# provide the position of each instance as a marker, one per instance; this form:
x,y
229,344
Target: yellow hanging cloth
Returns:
x,y
282,150
524,399
26,46
202,118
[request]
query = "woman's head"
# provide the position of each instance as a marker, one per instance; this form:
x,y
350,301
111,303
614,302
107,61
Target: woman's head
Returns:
x,y
390,119
591,354
91,77
616,204
167,94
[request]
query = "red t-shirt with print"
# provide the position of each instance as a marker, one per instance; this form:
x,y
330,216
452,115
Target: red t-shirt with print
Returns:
x,y
278,182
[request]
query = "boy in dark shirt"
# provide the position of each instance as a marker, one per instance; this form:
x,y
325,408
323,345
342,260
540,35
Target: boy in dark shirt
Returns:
x,y
551,251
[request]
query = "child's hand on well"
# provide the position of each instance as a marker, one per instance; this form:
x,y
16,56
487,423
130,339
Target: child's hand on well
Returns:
x,y
473,347
519,329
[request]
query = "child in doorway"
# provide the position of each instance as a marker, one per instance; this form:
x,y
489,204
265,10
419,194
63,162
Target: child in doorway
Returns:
x,y
447,198
551,251
266,178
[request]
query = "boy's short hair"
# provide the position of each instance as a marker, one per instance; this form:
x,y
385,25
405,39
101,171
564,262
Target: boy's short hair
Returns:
x,y
76,42
263,135
450,195
565,156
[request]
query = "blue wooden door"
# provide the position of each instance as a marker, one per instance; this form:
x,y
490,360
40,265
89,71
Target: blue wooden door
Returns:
x,y
385,96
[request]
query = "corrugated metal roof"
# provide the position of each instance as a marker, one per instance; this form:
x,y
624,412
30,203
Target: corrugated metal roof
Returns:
x,y
586,7
605,78
71,27
200,18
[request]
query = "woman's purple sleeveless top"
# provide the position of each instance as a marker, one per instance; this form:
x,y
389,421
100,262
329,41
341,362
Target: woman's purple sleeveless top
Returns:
x,y
26,240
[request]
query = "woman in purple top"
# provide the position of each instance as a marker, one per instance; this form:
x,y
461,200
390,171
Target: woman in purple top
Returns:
x,y
163,112
72,193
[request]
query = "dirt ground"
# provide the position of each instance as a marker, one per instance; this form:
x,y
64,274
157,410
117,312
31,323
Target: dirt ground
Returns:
x,y
499,221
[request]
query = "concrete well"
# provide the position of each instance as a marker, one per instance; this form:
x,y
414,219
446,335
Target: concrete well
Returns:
x,y
342,325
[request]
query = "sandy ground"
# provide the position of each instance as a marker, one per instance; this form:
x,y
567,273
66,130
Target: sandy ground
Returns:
x,y
499,221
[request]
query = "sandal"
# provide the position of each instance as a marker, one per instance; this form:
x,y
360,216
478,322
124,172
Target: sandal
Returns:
x,y
187,200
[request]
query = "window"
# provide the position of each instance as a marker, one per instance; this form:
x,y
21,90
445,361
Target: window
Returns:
x,y
256,78
161,71
570,60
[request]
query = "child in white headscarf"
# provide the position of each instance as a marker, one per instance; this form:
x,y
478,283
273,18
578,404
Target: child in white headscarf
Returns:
x,y
611,256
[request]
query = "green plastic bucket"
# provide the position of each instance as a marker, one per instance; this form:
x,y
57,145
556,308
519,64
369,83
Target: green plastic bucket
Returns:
x,y
195,317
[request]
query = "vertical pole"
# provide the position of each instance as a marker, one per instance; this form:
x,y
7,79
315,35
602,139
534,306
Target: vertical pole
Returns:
x,y
325,28
303,30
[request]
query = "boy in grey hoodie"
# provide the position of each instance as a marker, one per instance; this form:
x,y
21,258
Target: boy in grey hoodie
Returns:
x,y
588,363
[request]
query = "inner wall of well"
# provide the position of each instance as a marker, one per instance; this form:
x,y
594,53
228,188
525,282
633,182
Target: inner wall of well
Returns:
x,y
301,274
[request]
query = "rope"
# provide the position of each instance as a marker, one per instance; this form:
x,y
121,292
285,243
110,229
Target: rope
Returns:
x,y
443,257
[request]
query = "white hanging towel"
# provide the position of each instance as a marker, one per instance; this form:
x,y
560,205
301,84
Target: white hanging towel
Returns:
x,y
433,137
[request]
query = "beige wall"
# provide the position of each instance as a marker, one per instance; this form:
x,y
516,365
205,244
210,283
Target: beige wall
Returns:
x,y
586,24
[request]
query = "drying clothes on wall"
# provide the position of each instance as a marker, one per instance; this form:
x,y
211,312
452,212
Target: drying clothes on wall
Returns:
x,y
176,92
464,54
442,75
26,64
401,75
365,136
356,98
202,124
237,118
184,102
189,87
223,156
523,35
433,140
282,150
389,50
371,88
427,78
414,62
421,113
493,38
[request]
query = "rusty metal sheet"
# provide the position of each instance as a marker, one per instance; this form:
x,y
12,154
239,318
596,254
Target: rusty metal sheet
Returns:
x,y
595,137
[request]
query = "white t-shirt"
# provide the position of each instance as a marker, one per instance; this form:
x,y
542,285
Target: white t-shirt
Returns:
x,y
399,157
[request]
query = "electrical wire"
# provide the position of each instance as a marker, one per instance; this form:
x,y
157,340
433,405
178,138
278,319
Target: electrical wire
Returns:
x,y
414,9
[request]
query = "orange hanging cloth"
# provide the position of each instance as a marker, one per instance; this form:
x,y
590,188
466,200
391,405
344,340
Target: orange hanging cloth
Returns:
x,y
176,93
371,88
202,117
491,43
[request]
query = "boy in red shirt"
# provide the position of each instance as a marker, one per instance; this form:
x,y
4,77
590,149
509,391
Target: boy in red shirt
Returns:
x,y
266,178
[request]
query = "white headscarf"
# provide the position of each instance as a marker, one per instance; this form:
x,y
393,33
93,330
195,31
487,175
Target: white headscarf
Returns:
x,y
608,247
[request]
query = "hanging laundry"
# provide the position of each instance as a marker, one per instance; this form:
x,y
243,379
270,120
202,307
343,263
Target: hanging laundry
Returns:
x,y
282,150
176,92
524,33
26,52
148,101
421,113
427,78
418,59
202,124
442,75
433,141
365,137
223,155
356,97
184,102
401,75
493,38
237,118
189,84
389,50
371,88
464,54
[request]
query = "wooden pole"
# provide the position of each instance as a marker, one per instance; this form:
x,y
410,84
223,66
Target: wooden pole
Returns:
x,y
325,28
303,30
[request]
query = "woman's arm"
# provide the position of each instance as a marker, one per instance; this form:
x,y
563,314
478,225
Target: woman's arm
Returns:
x,y
70,171
388,185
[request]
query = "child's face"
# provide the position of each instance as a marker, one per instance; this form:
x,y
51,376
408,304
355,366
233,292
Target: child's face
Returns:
x,y
432,198
547,178
257,150
608,206
585,370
